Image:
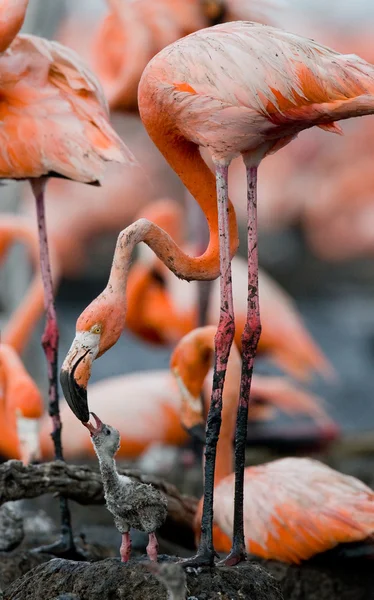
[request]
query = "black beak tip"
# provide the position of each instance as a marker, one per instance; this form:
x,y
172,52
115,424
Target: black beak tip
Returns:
x,y
197,432
75,394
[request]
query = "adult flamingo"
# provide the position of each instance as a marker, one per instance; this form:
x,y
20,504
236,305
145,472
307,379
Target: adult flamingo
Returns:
x,y
162,309
134,31
196,93
295,508
62,112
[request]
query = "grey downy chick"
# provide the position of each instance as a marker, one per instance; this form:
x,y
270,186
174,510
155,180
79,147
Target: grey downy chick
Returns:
x,y
172,576
132,504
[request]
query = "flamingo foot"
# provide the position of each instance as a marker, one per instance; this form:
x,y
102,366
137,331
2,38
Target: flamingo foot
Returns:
x,y
63,548
203,558
125,549
234,558
152,548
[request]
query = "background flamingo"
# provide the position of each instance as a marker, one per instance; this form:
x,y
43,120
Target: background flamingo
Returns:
x,y
54,87
340,508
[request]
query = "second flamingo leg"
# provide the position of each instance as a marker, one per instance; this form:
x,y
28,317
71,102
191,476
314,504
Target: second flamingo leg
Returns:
x,y
66,546
223,341
250,338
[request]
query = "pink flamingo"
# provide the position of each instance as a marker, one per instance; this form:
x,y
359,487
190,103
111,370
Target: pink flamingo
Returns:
x,y
295,508
54,123
195,93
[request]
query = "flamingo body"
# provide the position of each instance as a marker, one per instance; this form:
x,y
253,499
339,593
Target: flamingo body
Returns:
x,y
294,508
54,115
289,83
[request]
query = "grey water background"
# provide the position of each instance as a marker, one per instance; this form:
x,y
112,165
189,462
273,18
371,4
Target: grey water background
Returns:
x,y
336,301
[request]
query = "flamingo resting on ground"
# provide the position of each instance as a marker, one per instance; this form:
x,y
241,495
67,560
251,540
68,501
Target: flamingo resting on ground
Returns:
x,y
294,508
238,88
59,106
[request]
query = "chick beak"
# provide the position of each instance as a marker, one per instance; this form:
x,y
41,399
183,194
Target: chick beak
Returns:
x,y
75,393
94,429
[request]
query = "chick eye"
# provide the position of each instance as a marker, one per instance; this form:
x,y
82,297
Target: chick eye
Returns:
x,y
107,432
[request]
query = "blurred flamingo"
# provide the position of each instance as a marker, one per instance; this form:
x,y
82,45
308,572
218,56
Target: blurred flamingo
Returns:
x,y
195,93
62,112
161,308
21,407
89,212
133,31
294,508
146,409
20,325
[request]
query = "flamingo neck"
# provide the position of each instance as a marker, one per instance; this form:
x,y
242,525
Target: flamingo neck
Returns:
x,y
12,16
22,322
185,159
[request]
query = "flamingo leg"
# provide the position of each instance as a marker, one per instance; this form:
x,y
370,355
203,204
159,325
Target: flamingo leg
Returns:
x,y
125,549
65,546
250,338
223,341
152,548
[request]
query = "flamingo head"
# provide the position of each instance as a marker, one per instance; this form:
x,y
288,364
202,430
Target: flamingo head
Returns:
x,y
190,363
106,439
98,329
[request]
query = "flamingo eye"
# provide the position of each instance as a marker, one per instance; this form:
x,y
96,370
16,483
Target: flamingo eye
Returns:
x,y
96,329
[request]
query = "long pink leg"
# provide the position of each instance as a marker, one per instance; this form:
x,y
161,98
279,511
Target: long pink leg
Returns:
x,y
250,338
152,548
50,346
125,549
223,341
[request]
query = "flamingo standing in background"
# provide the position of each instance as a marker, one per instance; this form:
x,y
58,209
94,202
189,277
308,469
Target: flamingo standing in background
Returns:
x,y
162,309
21,407
295,508
62,112
134,31
239,88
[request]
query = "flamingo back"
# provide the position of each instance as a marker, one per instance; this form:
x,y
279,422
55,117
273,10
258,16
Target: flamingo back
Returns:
x,y
295,508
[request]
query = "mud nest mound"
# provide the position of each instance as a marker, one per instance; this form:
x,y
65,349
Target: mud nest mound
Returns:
x,y
111,580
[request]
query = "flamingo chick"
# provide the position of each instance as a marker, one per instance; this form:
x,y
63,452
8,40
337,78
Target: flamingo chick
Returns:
x,y
132,504
294,508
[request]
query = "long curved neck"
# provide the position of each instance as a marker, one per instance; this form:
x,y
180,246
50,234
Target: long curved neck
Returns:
x,y
12,16
185,159
12,369
23,320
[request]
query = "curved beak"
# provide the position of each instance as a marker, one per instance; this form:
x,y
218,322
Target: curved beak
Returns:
x,y
192,411
75,373
94,430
